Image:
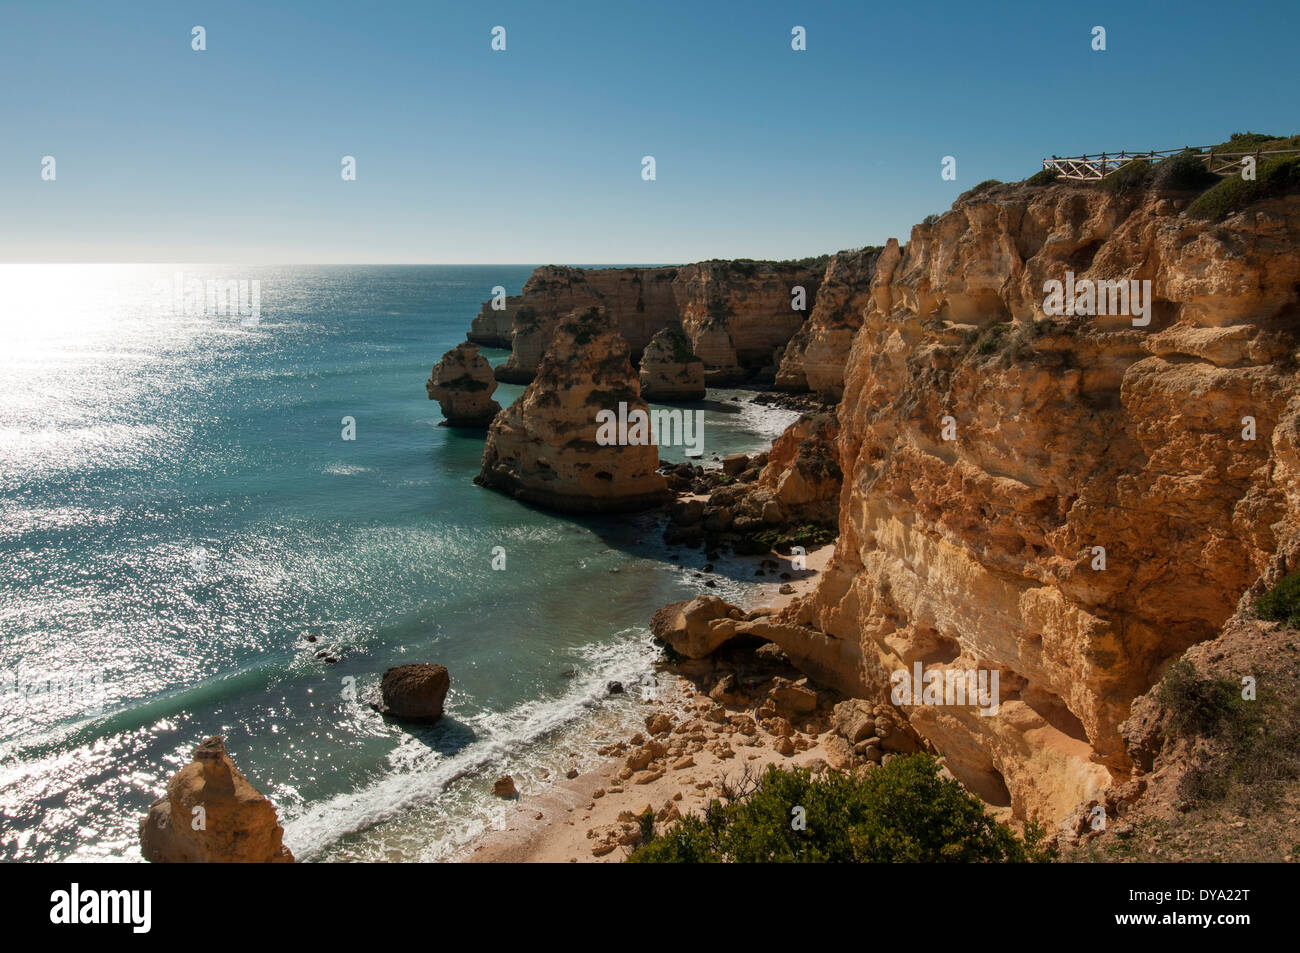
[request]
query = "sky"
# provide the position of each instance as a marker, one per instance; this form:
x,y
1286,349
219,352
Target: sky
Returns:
x,y
534,154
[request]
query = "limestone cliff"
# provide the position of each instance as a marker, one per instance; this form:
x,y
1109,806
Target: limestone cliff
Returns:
x,y
736,315
641,301
670,371
462,384
546,448
740,315
814,359
1069,436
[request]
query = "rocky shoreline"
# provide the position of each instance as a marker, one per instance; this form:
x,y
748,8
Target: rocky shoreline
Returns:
x,y
715,723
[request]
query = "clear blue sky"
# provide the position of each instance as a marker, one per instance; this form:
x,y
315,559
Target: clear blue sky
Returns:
x,y
533,155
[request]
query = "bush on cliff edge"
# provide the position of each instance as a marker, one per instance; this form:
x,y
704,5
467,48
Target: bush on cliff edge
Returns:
x,y
903,811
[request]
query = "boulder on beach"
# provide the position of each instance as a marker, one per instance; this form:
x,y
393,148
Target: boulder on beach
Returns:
x,y
212,814
696,627
414,692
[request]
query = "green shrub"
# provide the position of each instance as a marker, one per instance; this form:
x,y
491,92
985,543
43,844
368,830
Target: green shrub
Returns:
x,y
688,841
1198,706
1132,177
1183,172
1274,177
1250,749
977,190
1251,141
900,812
466,384
1043,177
992,338
1282,602
763,541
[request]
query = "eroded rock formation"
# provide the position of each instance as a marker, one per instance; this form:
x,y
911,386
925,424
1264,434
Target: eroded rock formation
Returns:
x,y
1071,435
815,357
212,814
544,448
737,315
793,487
462,384
670,371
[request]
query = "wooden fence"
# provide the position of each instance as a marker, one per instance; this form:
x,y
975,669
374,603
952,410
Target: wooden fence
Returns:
x,y
1087,168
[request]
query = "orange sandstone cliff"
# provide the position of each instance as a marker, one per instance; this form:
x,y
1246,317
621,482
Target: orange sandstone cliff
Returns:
x,y
737,315
1070,435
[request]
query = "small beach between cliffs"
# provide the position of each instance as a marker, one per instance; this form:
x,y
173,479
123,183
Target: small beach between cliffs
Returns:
x,y
591,811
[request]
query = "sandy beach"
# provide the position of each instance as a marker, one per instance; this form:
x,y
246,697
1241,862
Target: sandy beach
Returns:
x,y
692,746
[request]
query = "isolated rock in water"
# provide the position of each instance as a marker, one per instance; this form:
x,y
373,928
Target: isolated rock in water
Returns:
x,y
212,814
462,384
544,448
415,692
670,370
505,787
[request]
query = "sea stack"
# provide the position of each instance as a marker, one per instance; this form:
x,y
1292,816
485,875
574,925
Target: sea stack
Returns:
x,y
544,448
670,371
462,384
212,814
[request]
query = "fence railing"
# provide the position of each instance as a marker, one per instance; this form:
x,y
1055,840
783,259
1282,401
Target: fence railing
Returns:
x,y
1086,168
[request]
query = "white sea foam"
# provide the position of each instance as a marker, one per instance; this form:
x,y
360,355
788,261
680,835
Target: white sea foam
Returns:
x,y
431,805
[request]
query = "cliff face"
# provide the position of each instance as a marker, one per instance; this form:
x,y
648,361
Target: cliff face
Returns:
x,y
740,315
545,448
814,358
735,314
640,300
1069,433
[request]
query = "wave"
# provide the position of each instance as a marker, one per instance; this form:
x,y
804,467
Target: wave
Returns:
x,y
421,776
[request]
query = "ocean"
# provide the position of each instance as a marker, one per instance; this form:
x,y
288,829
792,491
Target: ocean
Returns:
x,y
180,516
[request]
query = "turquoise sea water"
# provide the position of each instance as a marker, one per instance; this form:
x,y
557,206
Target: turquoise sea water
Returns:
x,y
179,512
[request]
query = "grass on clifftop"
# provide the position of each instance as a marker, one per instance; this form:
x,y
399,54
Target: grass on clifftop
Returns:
x,y
900,812
1272,178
